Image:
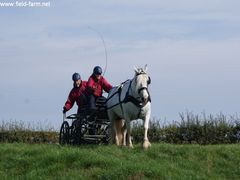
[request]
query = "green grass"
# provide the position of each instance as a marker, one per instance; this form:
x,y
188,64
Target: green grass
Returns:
x,y
161,161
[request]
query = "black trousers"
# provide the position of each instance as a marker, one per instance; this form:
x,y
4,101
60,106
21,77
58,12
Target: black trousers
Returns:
x,y
92,102
84,99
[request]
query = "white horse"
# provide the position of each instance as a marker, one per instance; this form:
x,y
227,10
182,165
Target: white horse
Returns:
x,y
129,101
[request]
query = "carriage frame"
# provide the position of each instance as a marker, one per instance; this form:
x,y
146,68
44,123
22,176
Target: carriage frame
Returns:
x,y
86,127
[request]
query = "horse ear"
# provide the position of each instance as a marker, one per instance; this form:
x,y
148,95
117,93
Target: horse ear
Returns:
x,y
135,69
145,68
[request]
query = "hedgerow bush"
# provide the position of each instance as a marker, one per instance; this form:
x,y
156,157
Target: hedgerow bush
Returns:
x,y
192,129
19,131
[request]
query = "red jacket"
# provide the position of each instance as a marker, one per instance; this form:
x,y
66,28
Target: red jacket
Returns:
x,y
77,94
96,87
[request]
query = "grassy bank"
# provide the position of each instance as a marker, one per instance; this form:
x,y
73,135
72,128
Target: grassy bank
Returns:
x,y
161,161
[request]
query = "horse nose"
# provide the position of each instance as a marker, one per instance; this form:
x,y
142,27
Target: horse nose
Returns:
x,y
144,95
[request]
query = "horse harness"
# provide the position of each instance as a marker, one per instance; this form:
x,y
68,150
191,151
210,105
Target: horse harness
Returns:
x,y
130,98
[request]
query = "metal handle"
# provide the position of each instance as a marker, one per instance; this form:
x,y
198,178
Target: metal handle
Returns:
x,y
64,116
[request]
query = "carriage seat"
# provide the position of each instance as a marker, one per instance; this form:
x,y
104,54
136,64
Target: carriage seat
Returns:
x,y
85,110
100,103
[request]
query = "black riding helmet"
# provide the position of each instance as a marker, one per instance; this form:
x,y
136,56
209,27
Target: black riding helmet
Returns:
x,y
76,77
97,70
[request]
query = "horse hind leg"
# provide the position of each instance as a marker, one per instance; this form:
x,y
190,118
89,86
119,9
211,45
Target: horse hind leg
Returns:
x,y
124,131
114,127
127,134
119,132
123,136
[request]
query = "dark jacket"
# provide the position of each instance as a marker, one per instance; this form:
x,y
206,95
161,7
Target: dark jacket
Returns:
x,y
78,95
96,87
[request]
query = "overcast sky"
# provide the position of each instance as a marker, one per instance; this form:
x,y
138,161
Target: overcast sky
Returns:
x,y
192,49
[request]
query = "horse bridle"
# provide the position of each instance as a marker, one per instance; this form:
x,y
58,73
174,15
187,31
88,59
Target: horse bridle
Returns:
x,y
144,88
136,100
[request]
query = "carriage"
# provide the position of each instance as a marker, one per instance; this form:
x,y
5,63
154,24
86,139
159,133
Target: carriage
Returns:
x,y
129,101
86,127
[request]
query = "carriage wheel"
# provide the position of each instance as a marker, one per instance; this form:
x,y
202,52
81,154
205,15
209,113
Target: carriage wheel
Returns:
x,y
108,137
64,133
78,131
75,131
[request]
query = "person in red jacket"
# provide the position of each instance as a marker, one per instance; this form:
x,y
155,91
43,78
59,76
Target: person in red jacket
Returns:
x,y
77,94
95,86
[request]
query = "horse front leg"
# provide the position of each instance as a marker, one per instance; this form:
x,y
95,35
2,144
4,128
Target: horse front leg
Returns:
x,y
146,142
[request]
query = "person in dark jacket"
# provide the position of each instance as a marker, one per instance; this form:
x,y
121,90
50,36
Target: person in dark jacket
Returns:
x,y
77,94
95,86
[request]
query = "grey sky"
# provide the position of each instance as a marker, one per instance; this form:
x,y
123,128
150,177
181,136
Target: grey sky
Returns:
x,y
191,48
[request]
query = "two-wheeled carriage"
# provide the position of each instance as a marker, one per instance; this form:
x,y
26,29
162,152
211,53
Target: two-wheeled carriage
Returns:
x,y
86,127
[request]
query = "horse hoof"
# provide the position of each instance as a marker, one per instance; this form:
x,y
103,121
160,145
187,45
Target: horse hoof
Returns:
x,y
146,145
123,145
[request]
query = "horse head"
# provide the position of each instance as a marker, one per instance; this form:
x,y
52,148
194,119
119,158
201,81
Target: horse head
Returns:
x,y
142,80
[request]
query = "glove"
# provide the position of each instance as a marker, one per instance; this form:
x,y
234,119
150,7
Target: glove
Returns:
x,y
64,110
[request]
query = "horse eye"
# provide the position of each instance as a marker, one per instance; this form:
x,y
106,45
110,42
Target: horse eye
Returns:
x,y
149,80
